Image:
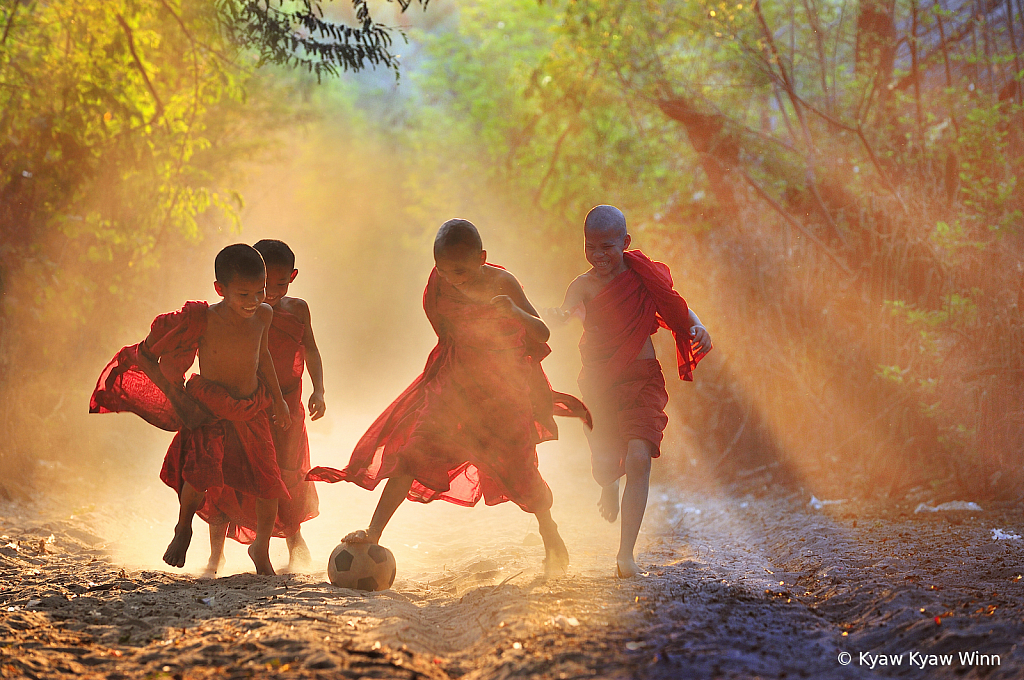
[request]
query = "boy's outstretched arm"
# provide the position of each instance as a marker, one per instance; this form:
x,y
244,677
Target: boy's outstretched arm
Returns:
x,y
573,299
315,366
700,339
282,418
514,303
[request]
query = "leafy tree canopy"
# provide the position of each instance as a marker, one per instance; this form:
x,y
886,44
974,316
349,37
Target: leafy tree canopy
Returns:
x,y
320,37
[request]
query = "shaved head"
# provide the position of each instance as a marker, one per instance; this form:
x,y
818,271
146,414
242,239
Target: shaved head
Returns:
x,y
606,219
457,236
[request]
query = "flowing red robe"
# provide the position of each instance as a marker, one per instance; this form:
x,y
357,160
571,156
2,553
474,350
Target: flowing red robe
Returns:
x,y
233,450
468,426
292,445
627,395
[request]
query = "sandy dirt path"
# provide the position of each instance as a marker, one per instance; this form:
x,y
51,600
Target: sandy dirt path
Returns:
x,y
739,585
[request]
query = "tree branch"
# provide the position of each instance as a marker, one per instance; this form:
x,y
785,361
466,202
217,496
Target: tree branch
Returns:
x,y
138,63
10,22
794,222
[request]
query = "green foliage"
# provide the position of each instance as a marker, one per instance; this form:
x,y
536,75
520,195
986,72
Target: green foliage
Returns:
x,y
295,33
115,117
868,157
122,127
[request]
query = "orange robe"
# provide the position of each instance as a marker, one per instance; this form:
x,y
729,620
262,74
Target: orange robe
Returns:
x,y
292,445
233,450
468,426
627,395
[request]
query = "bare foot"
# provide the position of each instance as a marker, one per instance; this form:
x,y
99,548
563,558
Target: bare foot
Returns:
x,y
213,566
609,502
556,556
626,567
360,537
175,553
556,561
299,558
261,558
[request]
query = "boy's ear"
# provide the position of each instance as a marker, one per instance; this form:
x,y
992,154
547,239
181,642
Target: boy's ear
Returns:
x,y
217,286
625,241
295,272
483,257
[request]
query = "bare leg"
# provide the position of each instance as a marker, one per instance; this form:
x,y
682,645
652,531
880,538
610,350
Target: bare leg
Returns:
x,y
189,501
609,502
259,551
556,559
299,558
634,503
394,493
218,532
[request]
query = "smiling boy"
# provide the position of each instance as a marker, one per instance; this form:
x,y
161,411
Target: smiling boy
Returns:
x,y
223,442
623,299
468,427
293,349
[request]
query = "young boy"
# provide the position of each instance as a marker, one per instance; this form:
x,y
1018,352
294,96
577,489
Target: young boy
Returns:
x,y
469,425
223,442
293,348
623,299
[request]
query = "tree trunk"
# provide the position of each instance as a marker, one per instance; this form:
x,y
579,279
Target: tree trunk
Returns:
x,y
718,150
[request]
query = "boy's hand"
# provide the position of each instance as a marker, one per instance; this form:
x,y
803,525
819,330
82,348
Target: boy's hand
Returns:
x,y
700,339
505,305
555,314
317,407
282,418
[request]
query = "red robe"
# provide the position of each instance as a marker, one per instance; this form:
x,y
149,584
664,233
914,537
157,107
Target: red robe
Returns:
x,y
627,395
292,446
468,426
234,450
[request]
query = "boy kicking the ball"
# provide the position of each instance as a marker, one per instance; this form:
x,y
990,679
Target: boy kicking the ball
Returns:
x,y
468,427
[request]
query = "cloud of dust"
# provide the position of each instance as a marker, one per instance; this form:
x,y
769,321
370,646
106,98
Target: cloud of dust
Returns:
x,y
340,202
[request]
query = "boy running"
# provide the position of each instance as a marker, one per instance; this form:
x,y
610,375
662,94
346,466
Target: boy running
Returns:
x,y
223,442
293,349
623,299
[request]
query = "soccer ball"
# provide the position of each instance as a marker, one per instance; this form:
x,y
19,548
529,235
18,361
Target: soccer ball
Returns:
x,y
363,566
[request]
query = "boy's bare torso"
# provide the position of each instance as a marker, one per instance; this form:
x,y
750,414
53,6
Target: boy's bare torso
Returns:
x,y
229,350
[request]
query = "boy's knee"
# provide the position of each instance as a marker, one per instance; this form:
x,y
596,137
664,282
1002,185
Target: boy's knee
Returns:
x,y
638,457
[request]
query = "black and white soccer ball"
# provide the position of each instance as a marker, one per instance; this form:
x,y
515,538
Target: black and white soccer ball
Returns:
x,y
362,566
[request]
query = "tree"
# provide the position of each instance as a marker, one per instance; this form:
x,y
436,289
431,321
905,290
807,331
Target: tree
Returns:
x,y
297,33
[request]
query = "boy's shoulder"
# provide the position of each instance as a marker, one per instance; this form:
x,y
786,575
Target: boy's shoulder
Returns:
x,y
586,285
295,306
499,276
264,314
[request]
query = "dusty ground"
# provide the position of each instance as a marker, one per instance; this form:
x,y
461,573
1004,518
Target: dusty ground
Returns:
x,y
740,585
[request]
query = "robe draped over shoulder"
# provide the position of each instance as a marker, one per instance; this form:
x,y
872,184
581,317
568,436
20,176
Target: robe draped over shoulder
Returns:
x,y
627,395
468,426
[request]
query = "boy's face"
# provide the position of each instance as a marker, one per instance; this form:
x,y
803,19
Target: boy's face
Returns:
x,y
604,248
243,296
278,280
459,266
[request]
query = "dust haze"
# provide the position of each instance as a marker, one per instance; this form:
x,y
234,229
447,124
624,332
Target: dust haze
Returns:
x,y
363,261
